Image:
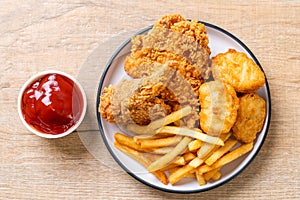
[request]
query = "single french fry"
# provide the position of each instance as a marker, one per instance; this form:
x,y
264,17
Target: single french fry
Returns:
x,y
191,133
208,175
161,150
200,178
179,174
174,169
142,160
171,118
220,152
179,161
150,128
189,168
169,167
162,142
167,158
188,156
156,136
189,175
127,141
217,176
194,145
196,162
227,158
136,155
207,148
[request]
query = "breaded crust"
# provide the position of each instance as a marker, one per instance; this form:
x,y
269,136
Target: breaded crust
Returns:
x,y
141,101
175,42
176,22
237,69
149,103
250,118
162,40
219,105
105,106
144,62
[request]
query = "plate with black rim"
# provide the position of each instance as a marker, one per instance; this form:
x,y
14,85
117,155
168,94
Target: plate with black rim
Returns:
x,y
220,41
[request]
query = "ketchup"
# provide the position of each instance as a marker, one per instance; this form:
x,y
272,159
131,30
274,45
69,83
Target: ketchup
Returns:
x,y
52,104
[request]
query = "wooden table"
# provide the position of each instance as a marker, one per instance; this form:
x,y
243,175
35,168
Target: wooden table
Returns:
x,y
39,35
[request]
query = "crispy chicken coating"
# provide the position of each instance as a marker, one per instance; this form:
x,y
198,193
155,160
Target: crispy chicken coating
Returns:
x,y
144,62
175,42
105,107
219,105
237,69
161,40
176,22
141,101
149,102
250,118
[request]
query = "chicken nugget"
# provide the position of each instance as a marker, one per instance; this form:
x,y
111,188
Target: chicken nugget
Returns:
x,y
250,117
219,105
237,69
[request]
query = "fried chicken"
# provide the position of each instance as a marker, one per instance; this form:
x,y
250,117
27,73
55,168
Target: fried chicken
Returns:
x,y
105,107
176,22
237,69
219,105
176,42
250,118
144,62
141,101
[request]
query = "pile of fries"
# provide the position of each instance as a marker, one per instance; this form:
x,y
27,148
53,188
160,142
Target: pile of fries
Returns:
x,y
172,153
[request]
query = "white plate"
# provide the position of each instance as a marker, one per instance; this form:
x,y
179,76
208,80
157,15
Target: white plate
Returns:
x,y
219,41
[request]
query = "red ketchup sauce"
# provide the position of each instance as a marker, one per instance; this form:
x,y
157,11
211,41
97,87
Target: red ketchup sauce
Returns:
x,y
52,104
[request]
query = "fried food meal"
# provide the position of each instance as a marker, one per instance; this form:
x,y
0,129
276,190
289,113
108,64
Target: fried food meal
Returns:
x,y
238,70
219,105
181,120
250,118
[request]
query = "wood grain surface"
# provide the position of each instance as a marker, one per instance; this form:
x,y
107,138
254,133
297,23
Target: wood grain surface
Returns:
x,y
37,35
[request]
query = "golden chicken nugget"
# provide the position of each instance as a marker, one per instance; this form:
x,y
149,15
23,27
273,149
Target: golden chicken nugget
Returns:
x,y
219,105
250,118
237,69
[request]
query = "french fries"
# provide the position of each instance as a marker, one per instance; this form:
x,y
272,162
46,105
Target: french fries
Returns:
x,y
216,176
167,158
191,133
150,128
142,160
183,152
161,142
220,152
207,148
208,175
236,153
127,141
200,179
194,145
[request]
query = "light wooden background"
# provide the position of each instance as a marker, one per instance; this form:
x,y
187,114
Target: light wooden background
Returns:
x,y
38,35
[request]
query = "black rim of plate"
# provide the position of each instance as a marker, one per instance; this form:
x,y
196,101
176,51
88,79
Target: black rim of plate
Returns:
x,y
230,176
